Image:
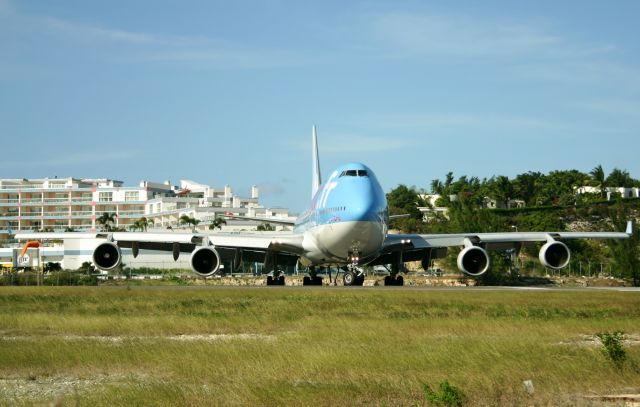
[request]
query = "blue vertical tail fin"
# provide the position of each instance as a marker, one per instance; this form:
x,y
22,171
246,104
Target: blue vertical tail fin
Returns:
x,y
316,179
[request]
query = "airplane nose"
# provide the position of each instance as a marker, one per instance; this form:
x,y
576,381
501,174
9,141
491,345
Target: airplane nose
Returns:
x,y
364,206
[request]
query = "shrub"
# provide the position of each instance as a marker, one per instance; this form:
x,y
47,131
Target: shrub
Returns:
x,y
448,395
612,347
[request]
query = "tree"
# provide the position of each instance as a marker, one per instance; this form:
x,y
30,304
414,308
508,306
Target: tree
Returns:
x,y
620,178
403,200
265,227
501,189
188,220
135,225
524,186
598,176
145,223
217,222
437,187
141,224
107,220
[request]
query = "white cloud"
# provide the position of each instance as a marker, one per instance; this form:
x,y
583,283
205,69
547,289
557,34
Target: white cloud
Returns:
x,y
198,51
272,188
619,107
496,124
456,35
79,158
335,144
87,32
230,57
460,35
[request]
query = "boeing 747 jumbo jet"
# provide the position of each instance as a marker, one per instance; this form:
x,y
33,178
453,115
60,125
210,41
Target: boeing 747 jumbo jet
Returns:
x,y
346,225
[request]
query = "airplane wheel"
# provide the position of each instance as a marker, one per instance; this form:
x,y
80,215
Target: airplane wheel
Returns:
x,y
269,280
307,281
388,280
360,280
400,280
317,281
281,280
349,278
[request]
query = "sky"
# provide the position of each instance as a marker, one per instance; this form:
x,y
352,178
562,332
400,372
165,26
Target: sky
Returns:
x,y
227,92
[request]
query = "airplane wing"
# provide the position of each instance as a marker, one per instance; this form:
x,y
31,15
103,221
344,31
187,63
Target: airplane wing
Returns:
x,y
207,249
473,258
264,220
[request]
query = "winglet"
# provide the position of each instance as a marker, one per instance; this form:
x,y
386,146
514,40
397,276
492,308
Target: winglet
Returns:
x,y
316,181
629,230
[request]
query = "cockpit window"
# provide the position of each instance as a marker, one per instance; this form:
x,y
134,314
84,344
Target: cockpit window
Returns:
x,y
354,173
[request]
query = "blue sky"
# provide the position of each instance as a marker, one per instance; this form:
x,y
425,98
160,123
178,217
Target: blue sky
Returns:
x,y
227,92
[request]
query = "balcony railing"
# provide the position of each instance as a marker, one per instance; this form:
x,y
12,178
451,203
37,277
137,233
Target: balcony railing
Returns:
x,y
128,214
81,213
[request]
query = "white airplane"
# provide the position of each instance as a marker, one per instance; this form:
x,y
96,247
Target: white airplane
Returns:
x,y
346,225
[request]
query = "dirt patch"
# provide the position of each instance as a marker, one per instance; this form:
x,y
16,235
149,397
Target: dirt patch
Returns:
x,y
592,341
54,388
121,338
627,400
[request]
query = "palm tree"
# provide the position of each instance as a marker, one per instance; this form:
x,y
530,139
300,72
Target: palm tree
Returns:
x,y
136,225
188,220
619,178
502,190
597,174
265,227
107,220
217,222
144,223
184,220
437,187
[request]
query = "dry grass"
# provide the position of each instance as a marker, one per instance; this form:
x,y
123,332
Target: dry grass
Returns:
x,y
307,346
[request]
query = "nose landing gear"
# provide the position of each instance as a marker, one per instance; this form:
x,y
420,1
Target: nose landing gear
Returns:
x,y
353,275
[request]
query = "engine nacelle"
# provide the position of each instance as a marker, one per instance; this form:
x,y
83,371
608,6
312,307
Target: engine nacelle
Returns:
x,y
555,255
473,260
205,261
107,256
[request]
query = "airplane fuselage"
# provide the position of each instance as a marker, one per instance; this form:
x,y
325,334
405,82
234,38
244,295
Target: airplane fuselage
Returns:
x,y
347,221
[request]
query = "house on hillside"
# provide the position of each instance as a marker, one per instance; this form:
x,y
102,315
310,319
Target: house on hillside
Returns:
x,y
611,191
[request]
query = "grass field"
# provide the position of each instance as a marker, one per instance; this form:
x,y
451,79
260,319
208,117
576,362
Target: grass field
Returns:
x,y
309,346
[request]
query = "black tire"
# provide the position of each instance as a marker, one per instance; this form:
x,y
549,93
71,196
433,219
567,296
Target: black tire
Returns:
x,y
400,280
360,280
307,281
349,278
388,280
269,280
280,280
317,280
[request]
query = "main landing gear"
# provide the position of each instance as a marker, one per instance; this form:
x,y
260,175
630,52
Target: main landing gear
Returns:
x,y
276,279
394,278
272,280
313,278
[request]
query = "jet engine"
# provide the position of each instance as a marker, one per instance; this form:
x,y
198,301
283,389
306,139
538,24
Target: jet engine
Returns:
x,y
107,256
205,261
473,260
555,255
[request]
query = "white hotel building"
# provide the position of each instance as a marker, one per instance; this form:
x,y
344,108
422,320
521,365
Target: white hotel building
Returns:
x,y
61,204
